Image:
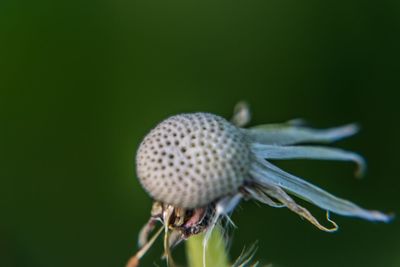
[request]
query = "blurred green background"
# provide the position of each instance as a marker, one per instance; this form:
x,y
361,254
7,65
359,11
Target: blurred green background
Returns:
x,y
81,82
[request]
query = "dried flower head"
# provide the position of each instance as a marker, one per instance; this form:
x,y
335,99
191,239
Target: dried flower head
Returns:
x,y
197,167
190,160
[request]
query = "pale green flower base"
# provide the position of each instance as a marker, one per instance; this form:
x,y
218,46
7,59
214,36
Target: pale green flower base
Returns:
x,y
216,254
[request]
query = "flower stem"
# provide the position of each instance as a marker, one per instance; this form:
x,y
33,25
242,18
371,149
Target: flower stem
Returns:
x,y
216,254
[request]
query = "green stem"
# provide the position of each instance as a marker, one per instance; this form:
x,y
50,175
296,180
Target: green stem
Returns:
x,y
216,254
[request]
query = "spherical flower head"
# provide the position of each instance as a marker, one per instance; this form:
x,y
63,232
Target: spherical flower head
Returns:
x,y
191,160
198,167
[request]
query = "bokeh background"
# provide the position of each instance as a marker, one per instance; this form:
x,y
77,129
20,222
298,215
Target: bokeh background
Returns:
x,y
81,83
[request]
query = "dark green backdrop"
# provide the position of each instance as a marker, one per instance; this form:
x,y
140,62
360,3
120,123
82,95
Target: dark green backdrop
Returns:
x,y
81,82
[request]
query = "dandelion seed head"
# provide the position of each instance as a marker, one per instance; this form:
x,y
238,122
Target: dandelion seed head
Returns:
x,y
198,167
190,160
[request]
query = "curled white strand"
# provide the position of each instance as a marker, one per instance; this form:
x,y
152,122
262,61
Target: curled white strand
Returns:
x,y
268,174
241,114
145,231
257,193
309,152
246,256
223,208
166,218
288,134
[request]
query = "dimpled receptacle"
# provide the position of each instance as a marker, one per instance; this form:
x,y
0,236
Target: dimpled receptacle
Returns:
x,y
190,160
